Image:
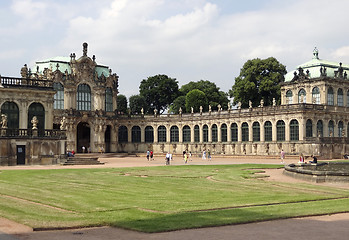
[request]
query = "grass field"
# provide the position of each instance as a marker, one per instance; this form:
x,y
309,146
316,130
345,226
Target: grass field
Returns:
x,y
158,198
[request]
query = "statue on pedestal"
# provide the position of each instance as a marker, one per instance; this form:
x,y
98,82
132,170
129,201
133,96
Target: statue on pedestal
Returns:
x,y
35,122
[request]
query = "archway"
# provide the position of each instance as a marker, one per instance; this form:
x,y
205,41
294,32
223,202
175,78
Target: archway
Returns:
x,y
83,136
107,138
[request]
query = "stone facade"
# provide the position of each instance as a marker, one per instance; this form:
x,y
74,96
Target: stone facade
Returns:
x,y
312,118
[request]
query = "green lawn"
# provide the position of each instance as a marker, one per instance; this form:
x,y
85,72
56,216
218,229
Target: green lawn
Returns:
x,y
158,198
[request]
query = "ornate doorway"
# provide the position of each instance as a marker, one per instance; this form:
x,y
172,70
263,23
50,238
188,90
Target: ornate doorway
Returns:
x,y
83,136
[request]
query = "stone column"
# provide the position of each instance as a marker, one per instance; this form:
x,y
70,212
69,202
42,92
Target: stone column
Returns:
x,y
274,131
155,131
219,133
228,132
262,137
129,133
142,134
302,129
287,130
239,132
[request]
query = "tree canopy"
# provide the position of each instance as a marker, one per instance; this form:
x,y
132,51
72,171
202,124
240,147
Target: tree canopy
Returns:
x,y
259,79
159,92
137,102
213,95
121,103
194,99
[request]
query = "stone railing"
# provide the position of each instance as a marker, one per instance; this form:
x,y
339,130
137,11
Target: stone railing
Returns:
x,y
32,133
25,82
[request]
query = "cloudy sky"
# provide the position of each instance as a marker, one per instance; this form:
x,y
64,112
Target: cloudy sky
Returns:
x,y
188,40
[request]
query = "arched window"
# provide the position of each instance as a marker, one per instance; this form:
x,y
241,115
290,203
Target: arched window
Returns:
x,y
10,109
196,133
186,134
214,131
162,134
136,134
340,97
108,99
330,97
149,134
319,128
122,134
280,130
36,109
256,132
309,128
174,134
316,95
331,128
205,133
289,97
302,96
340,129
234,132
294,130
59,96
224,132
244,132
268,131
84,97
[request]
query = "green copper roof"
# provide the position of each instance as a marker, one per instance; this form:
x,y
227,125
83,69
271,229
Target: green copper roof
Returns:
x,y
314,67
63,65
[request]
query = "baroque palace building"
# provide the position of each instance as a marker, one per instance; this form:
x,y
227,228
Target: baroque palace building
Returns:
x,y
73,100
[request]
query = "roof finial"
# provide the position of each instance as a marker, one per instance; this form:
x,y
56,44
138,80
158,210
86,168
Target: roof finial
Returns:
x,y
315,53
84,49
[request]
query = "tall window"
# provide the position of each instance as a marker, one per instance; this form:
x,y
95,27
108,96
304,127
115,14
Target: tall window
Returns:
x,y
331,128
348,98
122,134
196,133
214,131
136,134
280,130
205,133
302,96
36,109
149,134
309,128
244,132
59,96
294,130
10,109
268,131
108,100
340,129
224,132
316,95
84,97
319,128
186,134
234,132
174,134
256,132
162,134
340,97
289,97
330,97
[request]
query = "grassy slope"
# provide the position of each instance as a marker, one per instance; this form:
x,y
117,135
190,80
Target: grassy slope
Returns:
x,y
158,198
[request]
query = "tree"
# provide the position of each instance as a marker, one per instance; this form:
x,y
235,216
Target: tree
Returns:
x,y
213,94
159,92
194,99
121,103
259,79
179,102
137,102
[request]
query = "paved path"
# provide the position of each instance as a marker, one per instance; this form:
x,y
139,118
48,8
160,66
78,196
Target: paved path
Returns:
x,y
333,227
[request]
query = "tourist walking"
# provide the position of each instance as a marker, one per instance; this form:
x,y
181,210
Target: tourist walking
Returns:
x,y
148,154
282,156
185,158
151,156
204,155
167,158
190,159
209,155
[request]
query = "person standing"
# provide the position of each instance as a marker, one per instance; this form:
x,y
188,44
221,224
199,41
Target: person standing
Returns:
x,y
83,149
167,158
148,154
151,155
282,156
204,155
185,158
209,155
190,159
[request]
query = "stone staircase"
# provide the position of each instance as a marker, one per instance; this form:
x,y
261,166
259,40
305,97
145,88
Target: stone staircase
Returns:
x,y
82,161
